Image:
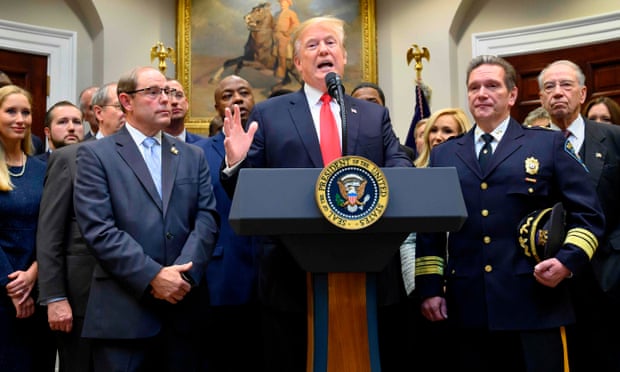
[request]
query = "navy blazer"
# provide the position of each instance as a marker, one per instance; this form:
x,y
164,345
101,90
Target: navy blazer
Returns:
x,y
134,233
233,270
286,138
489,280
193,138
601,154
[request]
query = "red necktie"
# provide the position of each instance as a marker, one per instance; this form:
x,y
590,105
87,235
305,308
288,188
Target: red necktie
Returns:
x,y
330,140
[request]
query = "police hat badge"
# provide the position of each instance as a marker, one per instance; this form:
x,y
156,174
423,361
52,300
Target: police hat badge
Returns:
x,y
542,232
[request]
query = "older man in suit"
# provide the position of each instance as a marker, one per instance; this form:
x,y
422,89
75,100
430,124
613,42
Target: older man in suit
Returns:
x,y
286,132
145,204
509,312
562,92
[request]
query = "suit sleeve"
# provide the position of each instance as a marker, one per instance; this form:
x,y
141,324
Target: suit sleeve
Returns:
x,y
54,218
430,263
585,221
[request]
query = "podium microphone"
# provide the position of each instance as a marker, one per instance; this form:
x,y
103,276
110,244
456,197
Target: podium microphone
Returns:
x,y
336,91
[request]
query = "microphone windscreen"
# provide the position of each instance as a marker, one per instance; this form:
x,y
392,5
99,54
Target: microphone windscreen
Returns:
x,y
332,80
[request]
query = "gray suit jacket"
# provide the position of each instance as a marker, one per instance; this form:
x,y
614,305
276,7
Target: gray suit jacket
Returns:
x,y
65,262
134,233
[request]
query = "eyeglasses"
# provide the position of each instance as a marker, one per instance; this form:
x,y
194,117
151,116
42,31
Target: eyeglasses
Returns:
x,y
154,92
115,105
565,85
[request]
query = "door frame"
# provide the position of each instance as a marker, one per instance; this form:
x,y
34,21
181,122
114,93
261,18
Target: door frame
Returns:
x,y
60,47
547,36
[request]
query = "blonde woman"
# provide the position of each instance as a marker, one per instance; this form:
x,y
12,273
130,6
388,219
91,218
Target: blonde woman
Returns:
x,y
441,125
25,339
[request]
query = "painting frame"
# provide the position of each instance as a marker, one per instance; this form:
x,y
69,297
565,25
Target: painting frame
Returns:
x,y
200,123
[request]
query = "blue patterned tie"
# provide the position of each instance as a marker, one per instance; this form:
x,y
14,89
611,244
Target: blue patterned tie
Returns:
x,y
152,157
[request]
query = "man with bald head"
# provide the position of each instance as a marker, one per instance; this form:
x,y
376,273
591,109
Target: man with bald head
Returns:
x,y
145,205
234,90
233,270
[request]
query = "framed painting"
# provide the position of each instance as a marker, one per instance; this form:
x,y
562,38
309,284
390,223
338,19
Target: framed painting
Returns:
x,y
217,38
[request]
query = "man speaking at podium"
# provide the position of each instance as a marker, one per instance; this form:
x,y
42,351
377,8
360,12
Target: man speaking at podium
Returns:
x,y
293,131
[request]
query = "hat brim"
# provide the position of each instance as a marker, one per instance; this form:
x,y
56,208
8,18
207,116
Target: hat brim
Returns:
x,y
542,232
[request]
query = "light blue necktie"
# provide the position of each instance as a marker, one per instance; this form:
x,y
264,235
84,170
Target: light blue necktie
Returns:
x,y
152,157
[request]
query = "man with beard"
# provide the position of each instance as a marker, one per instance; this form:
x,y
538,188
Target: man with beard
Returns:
x,y
63,126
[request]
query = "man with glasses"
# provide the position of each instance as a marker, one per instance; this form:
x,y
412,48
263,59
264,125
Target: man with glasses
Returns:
x,y
596,342
179,106
145,204
508,311
86,107
108,111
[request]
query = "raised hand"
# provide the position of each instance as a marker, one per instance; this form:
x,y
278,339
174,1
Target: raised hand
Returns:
x,y
238,141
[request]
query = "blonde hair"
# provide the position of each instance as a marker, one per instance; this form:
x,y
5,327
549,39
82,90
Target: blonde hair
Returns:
x,y
26,142
459,116
334,24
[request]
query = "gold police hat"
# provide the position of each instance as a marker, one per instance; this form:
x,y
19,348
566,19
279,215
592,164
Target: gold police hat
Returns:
x,y
542,232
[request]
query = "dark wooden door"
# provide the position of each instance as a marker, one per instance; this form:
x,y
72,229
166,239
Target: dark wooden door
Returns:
x,y
29,71
600,64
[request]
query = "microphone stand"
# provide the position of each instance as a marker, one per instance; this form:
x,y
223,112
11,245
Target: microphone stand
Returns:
x,y
343,118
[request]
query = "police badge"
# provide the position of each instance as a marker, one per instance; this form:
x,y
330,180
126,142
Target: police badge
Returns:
x,y
352,192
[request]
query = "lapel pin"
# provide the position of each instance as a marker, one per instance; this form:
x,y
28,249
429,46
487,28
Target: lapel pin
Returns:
x,y
174,150
598,155
354,110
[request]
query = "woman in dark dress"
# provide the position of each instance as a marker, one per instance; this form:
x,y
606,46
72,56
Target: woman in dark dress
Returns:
x,y
25,342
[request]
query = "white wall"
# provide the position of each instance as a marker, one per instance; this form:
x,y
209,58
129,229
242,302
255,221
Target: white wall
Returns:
x,y
54,14
130,29
446,27
115,35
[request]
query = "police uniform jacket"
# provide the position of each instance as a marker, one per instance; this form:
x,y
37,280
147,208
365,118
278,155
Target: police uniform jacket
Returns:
x,y
489,280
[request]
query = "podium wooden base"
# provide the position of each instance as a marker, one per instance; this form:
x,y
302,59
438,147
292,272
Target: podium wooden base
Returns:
x,y
342,323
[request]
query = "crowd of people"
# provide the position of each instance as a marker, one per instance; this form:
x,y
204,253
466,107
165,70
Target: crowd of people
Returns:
x,y
116,253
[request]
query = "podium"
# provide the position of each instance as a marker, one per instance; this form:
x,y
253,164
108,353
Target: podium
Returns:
x,y
342,327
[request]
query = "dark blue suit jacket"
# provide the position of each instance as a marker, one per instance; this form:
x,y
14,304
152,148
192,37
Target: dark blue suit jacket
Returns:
x,y
490,282
286,138
134,233
233,270
601,154
192,138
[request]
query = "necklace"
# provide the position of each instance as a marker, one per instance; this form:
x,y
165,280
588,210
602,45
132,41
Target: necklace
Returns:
x,y
20,173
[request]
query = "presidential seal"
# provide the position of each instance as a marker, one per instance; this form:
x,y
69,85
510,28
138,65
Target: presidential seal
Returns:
x,y
352,192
